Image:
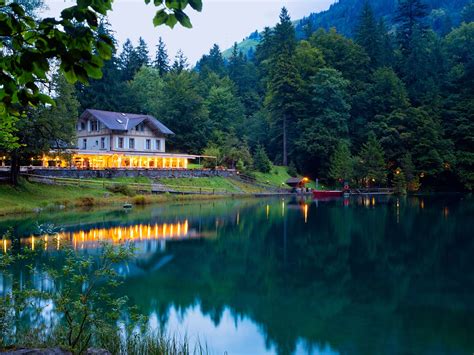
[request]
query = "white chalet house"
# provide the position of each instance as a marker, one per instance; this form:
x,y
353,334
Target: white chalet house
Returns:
x,y
123,140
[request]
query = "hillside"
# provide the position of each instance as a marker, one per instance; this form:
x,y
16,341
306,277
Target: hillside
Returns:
x,y
344,14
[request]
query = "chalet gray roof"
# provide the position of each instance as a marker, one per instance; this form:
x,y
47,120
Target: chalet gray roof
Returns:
x,y
118,121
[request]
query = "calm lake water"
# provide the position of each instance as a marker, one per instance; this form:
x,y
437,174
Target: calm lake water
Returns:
x,y
358,276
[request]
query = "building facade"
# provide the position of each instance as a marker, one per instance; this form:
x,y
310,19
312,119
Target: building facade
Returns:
x,y
108,140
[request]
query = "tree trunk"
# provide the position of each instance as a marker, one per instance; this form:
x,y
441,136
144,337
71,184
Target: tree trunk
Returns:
x,y
285,154
14,168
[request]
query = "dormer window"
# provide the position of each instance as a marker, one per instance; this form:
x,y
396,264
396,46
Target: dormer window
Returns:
x,y
94,126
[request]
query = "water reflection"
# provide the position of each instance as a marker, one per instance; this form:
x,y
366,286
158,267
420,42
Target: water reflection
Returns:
x,y
92,238
352,276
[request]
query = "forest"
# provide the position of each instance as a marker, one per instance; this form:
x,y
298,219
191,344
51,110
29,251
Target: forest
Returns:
x,y
391,105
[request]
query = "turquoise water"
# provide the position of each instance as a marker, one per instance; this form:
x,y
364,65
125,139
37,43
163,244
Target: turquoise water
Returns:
x,y
358,276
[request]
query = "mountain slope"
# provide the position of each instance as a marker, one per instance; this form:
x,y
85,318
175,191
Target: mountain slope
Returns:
x,y
344,15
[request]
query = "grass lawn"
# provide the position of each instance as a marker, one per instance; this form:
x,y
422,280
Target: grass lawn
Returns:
x,y
218,183
277,177
28,196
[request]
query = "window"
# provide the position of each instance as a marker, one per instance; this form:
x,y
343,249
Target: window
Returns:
x,y
82,126
131,143
148,144
140,127
84,144
120,142
102,143
94,126
158,144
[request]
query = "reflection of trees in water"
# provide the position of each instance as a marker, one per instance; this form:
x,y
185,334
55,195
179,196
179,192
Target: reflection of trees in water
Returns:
x,y
352,277
362,278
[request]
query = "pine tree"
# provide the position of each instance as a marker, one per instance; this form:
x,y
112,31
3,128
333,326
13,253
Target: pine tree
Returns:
x,y
399,182
368,36
284,83
212,62
341,164
371,164
265,46
128,61
143,57
180,62
261,161
161,58
386,58
410,17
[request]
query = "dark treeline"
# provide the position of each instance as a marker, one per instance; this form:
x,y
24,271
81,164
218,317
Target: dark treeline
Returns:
x,y
385,107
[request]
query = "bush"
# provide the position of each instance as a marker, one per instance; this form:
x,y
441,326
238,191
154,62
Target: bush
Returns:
x,y
140,200
120,189
261,162
240,165
292,170
87,201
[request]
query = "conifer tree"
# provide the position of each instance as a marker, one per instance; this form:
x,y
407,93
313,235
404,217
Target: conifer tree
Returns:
x,y
261,161
367,35
128,61
180,62
371,164
161,61
410,17
143,57
342,164
212,62
399,182
284,83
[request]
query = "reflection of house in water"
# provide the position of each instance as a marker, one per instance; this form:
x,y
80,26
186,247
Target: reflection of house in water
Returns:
x,y
146,238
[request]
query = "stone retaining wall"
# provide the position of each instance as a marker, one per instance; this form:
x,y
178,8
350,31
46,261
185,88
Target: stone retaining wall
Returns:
x,y
117,173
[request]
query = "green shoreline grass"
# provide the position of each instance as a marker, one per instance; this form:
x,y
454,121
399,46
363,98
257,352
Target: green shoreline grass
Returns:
x,y
31,197
34,197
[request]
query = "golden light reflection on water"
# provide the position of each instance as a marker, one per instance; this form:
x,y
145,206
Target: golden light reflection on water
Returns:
x,y
114,235
305,210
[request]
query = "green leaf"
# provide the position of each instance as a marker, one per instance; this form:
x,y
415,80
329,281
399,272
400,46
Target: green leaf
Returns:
x,y
46,99
176,4
70,76
196,4
93,71
104,50
160,18
183,19
171,21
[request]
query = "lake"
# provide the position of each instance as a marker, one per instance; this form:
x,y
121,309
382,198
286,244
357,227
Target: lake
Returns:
x,y
292,276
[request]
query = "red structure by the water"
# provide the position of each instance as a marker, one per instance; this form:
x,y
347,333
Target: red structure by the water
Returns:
x,y
326,194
